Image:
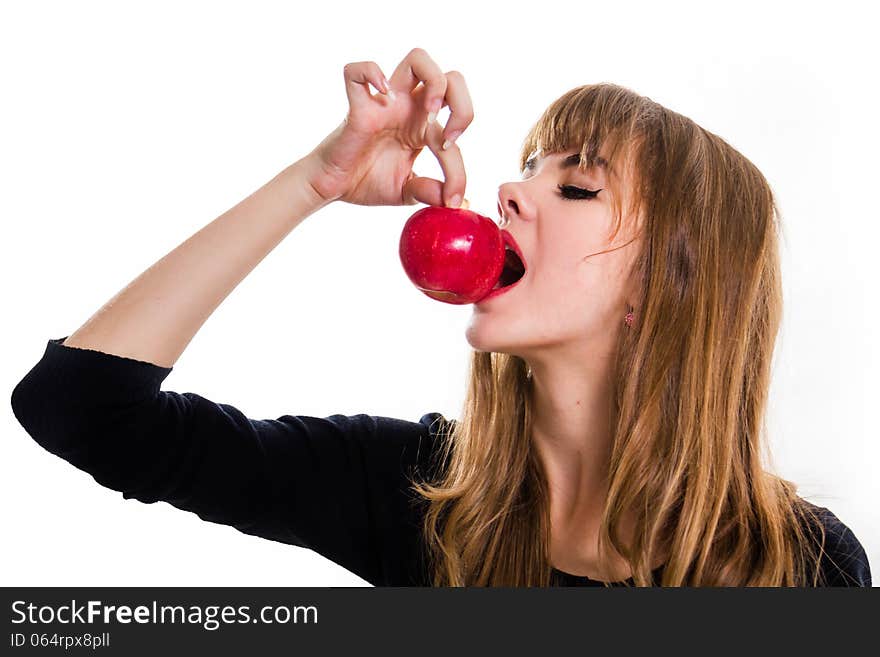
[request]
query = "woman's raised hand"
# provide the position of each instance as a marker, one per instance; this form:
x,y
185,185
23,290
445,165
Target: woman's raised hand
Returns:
x,y
368,159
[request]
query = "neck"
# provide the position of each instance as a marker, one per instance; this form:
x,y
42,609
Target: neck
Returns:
x,y
572,431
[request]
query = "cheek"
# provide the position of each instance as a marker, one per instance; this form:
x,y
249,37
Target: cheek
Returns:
x,y
566,274
577,294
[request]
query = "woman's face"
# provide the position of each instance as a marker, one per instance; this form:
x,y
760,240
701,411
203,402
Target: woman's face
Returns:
x,y
566,302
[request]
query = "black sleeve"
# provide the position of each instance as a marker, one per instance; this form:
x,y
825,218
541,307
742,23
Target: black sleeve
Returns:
x,y
336,485
844,561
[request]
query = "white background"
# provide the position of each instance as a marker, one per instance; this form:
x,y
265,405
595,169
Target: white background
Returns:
x,y
127,127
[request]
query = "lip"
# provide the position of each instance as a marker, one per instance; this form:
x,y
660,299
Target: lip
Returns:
x,y
509,241
500,290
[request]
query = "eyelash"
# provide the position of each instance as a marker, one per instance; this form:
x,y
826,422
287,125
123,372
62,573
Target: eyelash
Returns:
x,y
572,193
569,192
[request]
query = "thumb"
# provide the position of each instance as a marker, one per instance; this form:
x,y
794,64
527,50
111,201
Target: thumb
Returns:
x,y
421,189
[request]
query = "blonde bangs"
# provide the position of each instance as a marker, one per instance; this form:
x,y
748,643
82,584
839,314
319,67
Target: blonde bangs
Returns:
x,y
600,122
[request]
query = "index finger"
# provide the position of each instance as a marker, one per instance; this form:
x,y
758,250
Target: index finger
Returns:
x,y
454,176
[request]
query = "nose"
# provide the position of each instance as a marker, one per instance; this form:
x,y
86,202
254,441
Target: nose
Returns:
x,y
512,203
501,216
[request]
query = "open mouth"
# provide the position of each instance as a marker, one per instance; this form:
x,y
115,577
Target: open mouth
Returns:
x,y
513,269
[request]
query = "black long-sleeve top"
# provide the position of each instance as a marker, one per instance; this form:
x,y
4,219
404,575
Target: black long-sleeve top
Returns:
x,y
338,485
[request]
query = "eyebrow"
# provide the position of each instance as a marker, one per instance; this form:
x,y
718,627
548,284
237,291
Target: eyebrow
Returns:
x,y
574,160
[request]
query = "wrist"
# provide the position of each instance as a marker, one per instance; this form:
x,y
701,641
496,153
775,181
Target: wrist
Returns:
x,y
314,178
293,193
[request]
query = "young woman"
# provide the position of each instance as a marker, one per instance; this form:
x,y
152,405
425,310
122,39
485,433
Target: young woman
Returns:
x,y
613,427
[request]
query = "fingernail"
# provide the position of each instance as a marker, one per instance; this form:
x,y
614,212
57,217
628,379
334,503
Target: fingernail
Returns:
x,y
388,90
455,201
436,104
450,139
432,116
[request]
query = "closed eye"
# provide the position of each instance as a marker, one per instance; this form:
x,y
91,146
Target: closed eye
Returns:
x,y
570,192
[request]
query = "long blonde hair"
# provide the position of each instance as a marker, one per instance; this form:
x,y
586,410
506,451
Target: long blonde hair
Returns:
x,y
691,382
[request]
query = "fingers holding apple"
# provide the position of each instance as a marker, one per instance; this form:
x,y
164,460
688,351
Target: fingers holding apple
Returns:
x,y
418,78
440,89
448,193
421,189
452,164
368,158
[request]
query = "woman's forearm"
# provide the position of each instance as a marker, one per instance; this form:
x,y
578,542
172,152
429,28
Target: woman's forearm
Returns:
x,y
156,315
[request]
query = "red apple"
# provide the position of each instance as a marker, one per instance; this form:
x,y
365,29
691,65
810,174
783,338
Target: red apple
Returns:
x,y
453,255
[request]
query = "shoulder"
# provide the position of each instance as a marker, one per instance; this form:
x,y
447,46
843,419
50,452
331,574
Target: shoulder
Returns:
x,y
844,561
423,441
388,446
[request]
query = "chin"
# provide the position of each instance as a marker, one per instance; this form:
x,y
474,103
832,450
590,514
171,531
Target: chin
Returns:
x,y
482,336
477,339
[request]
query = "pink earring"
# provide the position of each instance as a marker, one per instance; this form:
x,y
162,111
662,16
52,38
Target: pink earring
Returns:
x,y
628,320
